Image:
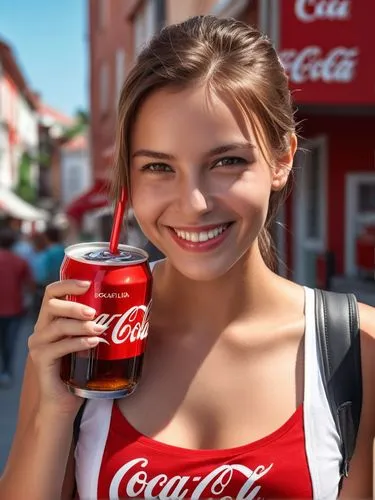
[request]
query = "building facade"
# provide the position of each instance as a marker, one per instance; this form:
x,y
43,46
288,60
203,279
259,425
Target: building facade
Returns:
x,y
18,120
331,214
19,142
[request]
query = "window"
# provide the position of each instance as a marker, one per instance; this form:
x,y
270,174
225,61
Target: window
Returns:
x,y
74,181
104,87
313,173
103,13
220,5
144,24
120,72
366,198
160,14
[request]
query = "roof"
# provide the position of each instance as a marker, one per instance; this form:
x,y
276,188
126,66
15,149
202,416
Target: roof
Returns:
x,y
77,143
13,70
55,115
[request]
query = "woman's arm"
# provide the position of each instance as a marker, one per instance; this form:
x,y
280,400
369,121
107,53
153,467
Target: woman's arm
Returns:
x,y
360,481
39,455
40,461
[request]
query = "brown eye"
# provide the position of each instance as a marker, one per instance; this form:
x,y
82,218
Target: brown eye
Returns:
x,y
230,161
157,167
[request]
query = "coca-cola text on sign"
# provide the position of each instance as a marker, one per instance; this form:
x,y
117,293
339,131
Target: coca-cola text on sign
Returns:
x,y
309,11
312,65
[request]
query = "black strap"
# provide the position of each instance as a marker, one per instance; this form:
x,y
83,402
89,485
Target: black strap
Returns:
x,y
337,325
77,423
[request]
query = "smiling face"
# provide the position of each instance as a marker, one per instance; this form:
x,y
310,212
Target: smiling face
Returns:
x,y
200,186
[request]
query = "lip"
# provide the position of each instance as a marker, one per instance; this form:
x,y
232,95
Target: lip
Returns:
x,y
198,229
200,246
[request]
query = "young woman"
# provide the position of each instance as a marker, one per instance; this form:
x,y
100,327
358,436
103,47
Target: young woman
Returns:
x,y
231,402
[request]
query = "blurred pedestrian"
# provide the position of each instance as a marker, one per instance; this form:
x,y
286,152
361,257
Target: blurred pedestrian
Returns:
x,y
15,276
39,267
54,254
22,245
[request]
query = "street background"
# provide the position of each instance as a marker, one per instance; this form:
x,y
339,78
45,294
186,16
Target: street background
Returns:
x,y
9,398
62,67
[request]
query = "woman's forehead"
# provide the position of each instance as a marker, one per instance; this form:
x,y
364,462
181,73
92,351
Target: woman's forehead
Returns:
x,y
193,111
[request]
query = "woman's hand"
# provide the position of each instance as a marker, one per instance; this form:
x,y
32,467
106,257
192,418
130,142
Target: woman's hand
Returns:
x,y
63,327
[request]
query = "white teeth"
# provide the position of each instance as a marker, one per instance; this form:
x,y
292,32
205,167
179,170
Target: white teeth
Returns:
x,y
202,235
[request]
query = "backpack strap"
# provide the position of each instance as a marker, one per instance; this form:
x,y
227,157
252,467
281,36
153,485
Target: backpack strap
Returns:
x,y
77,423
338,336
76,429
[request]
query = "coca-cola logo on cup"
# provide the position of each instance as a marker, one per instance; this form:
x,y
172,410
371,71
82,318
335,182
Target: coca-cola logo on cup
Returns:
x,y
311,65
309,11
129,329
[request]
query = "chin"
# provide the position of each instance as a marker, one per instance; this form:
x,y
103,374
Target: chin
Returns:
x,y
204,270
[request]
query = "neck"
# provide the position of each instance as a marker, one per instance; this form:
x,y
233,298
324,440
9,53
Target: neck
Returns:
x,y
213,305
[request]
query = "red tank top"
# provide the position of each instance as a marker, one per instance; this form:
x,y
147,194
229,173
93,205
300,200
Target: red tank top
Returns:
x,y
301,459
134,465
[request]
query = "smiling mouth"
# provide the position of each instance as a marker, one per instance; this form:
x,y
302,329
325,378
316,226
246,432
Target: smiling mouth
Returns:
x,y
202,236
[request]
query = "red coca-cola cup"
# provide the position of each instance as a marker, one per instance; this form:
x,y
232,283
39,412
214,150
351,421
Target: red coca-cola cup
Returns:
x,y
120,292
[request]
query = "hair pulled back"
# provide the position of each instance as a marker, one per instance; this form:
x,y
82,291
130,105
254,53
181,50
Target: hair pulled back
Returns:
x,y
231,58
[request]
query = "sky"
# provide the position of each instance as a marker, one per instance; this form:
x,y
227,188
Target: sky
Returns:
x,y
49,39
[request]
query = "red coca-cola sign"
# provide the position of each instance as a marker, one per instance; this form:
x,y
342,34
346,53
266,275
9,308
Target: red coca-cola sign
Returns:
x,y
327,49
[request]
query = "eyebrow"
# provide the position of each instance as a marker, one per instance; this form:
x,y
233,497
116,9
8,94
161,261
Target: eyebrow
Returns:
x,y
213,152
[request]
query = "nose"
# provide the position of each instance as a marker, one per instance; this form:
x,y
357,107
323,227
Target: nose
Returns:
x,y
194,198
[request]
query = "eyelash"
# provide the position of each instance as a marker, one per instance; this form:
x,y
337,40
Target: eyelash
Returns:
x,y
150,167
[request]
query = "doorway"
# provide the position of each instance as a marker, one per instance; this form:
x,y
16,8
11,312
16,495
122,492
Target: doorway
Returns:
x,y
310,209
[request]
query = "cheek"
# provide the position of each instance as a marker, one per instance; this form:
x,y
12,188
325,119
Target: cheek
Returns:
x,y
249,199
148,204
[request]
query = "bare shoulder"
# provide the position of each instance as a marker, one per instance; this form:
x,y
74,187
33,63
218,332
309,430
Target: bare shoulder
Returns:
x,y
367,326
367,318
359,483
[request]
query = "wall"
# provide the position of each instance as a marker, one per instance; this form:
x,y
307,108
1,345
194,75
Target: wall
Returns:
x,y
105,39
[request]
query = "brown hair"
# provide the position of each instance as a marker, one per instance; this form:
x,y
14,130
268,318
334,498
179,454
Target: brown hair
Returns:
x,y
230,58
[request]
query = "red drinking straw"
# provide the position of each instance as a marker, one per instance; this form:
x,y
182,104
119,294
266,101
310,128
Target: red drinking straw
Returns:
x,y
117,221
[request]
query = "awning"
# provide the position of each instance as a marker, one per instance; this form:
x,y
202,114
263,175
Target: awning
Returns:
x,y
96,197
13,205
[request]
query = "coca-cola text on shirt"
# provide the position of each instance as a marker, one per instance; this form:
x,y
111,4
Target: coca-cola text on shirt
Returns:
x,y
140,485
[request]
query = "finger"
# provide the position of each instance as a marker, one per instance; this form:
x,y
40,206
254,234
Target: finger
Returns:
x,y
58,308
60,289
64,327
49,354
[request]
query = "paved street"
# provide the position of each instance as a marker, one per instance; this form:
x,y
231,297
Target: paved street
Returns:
x,y
9,397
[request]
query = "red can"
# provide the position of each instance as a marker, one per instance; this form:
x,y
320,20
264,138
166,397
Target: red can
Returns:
x,y
120,292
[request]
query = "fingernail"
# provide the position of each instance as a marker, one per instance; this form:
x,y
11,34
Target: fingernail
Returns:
x,y
99,328
89,312
83,284
92,341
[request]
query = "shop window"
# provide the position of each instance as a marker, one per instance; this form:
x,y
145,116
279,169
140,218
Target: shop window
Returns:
x,y
366,198
312,180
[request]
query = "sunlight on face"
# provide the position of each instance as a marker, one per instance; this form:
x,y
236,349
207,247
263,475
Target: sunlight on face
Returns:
x,y
200,186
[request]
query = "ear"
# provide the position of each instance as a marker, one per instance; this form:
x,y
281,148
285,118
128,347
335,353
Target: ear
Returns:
x,y
283,166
